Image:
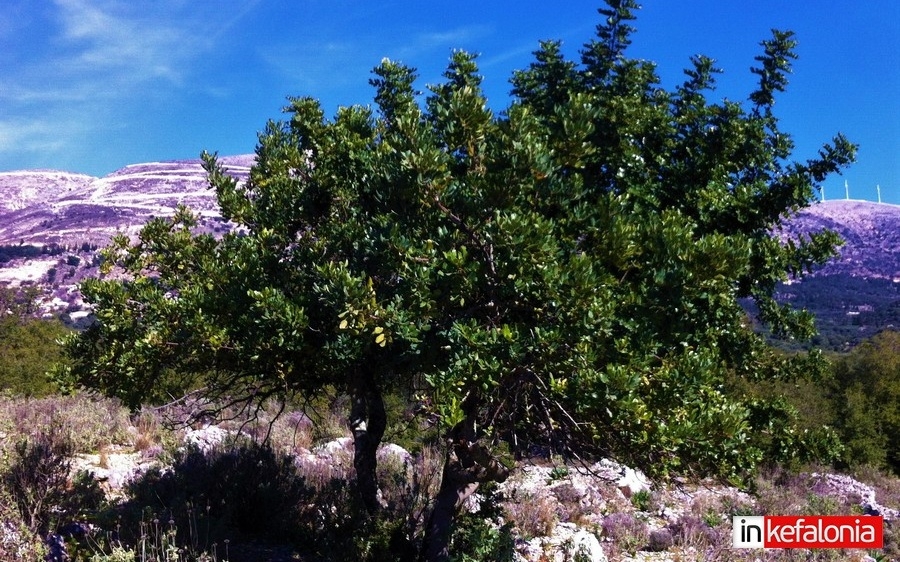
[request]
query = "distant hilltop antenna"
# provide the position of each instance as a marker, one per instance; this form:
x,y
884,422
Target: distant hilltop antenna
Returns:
x,y
878,189
823,193
847,190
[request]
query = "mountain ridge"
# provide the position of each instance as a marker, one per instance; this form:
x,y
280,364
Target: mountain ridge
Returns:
x,y
41,207
871,234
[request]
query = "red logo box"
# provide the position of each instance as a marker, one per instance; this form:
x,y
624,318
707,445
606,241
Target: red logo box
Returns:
x,y
808,531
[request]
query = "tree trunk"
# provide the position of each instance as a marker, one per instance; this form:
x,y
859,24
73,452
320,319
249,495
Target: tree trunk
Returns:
x,y
466,466
368,421
450,497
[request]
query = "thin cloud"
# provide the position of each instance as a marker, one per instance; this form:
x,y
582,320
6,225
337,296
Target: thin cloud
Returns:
x,y
453,38
507,55
33,136
130,48
99,63
314,65
228,25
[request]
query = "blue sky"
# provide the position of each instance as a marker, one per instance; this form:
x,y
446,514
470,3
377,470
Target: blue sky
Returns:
x,y
93,85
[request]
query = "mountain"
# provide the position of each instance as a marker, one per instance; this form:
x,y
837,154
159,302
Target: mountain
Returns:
x,y
52,223
857,294
871,233
41,207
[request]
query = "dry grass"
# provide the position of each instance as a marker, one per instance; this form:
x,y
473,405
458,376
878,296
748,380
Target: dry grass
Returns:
x,y
533,513
90,422
626,533
886,486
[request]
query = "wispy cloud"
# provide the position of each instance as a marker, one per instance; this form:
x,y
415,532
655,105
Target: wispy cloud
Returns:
x,y
96,61
241,13
507,55
30,136
123,47
454,38
314,66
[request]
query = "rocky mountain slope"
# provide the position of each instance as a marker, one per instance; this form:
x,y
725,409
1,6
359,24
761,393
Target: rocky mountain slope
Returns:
x,y
871,233
857,294
52,222
42,207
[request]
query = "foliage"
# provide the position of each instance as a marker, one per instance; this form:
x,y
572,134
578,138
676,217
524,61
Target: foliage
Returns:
x,y
252,494
867,395
157,542
11,252
848,309
566,274
479,536
629,533
532,513
641,500
245,491
28,349
38,480
17,542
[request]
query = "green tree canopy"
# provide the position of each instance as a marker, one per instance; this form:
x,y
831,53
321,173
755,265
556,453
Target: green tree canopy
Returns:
x,y
565,274
29,346
867,396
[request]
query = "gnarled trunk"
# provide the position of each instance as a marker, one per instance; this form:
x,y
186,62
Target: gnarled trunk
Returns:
x,y
467,465
368,421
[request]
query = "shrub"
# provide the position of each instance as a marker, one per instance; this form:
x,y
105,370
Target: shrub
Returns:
x,y
38,483
691,530
17,542
249,493
641,500
478,536
867,394
28,349
246,491
533,513
37,476
577,505
628,533
153,438
660,540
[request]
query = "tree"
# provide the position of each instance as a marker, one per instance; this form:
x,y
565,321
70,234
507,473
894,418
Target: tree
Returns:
x,y
28,349
566,274
867,394
29,346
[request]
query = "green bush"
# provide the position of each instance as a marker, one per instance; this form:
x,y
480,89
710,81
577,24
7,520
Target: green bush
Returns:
x,y
866,392
252,494
28,349
245,491
478,536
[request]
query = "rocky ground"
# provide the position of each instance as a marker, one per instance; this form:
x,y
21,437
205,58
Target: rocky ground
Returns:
x,y
603,512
